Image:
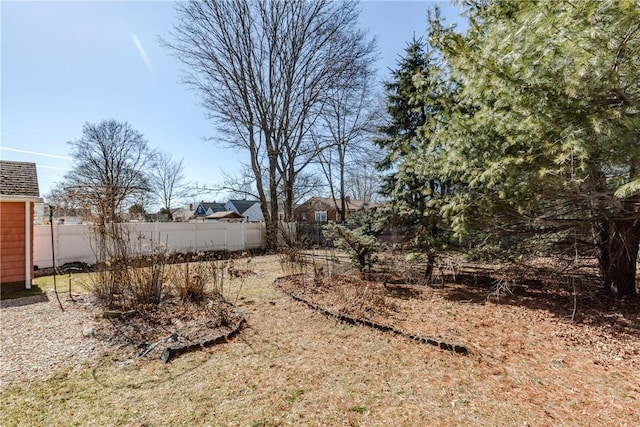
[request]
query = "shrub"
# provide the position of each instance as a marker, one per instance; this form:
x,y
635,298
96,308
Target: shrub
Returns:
x,y
147,278
291,251
359,246
191,280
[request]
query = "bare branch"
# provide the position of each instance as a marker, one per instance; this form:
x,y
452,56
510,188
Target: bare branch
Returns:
x,y
264,71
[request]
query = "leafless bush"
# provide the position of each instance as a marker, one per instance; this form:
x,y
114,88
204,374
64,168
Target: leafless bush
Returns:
x,y
147,278
108,285
363,299
216,276
200,276
291,254
110,243
429,268
445,266
319,275
127,278
293,261
321,272
190,279
324,266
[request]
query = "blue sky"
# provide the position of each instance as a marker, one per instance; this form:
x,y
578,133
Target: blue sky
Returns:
x,y
67,63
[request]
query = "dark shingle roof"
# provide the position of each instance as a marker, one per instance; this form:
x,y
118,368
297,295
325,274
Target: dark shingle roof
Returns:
x,y
215,207
18,179
203,207
242,205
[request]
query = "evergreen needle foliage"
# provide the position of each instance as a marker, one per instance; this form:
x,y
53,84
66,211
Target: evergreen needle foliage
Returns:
x,y
532,128
359,246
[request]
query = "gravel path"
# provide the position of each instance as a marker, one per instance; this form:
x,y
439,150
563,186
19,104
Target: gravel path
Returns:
x,y
37,338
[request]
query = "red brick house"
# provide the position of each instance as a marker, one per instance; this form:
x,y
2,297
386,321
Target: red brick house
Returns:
x,y
320,210
18,193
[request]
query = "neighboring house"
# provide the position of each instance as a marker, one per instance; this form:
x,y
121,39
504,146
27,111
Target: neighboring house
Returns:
x,y
18,193
205,209
184,214
225,216
249,209
320,210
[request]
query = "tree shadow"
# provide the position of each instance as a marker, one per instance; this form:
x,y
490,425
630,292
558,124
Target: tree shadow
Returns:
x,y
402,292
582,304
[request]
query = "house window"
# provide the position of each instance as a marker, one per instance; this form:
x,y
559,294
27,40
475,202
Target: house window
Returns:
x,y
321,216
303,217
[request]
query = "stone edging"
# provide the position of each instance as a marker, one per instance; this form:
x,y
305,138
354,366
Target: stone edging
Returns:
x,y
454,348
173,351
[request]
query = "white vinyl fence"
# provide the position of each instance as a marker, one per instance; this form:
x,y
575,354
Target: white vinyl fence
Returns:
x,y
73,242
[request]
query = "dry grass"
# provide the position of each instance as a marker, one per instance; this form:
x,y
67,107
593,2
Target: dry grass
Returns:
x,y
290,366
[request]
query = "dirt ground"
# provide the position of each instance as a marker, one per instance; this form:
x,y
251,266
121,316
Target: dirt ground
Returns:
x,y
538,356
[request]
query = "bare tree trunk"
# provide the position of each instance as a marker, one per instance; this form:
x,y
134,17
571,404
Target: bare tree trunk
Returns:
x,y
269,66
624,242
343,202
289,179
272,220
601,236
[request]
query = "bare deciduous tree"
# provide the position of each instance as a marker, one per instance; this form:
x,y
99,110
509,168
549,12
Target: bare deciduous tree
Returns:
x,y
264,70
168,181
239,185
363,181
109,166
242,185
345,124
64,203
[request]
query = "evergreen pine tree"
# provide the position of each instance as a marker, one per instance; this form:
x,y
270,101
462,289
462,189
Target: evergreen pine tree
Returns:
x,y
405,115
546,133
415,99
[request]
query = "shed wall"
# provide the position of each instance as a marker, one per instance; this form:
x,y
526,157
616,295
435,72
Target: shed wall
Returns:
x,y
12,242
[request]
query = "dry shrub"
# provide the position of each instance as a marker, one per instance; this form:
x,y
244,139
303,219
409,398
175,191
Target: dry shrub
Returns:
x,y
319,275
132,282
363,299
419,268
216,276
447,267
190,280
291,251
293,260
346,293
127,279
202,276
110,244
326,266
146,282
108,285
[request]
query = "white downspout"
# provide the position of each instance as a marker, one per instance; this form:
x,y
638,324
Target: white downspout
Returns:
x,y
27,245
